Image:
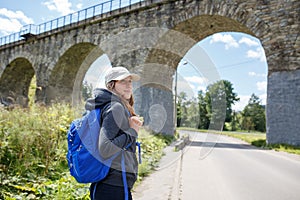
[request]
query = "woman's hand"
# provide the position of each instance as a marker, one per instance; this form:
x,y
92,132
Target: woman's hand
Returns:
x,y
135,122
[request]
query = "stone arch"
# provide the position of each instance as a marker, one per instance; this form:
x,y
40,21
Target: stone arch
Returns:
x,y
186,34
15,81
66,78
176,42
200,27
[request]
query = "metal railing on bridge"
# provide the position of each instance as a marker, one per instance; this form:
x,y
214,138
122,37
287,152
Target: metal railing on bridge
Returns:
x,y
75,17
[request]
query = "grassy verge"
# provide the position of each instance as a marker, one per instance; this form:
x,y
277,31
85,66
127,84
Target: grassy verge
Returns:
x,y
256,139
33,149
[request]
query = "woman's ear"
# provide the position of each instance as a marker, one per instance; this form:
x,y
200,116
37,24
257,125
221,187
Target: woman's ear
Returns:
x,y
110,85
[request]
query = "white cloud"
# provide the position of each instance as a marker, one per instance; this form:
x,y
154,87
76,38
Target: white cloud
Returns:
x,y
227,39
19,15
259,53
191,85
240,105
263,98
262,86
256,74
201,87
12,21
79,6
248,42
61,6
186,87
252,74
244,99
196,80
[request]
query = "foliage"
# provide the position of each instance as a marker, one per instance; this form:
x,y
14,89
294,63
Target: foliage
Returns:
x,y
284,147
187,112
33,149
234,125
32,146
31,91
87,90
214,107
220,98
203,114
254,117
209,110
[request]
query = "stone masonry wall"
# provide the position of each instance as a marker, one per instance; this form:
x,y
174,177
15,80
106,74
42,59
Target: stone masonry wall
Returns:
x,y
283,107
158,33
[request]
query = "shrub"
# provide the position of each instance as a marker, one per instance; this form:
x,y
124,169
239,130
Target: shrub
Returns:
x,y
33,146
33,149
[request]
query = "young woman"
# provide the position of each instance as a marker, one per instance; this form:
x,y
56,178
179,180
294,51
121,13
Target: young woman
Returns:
x,y
118,132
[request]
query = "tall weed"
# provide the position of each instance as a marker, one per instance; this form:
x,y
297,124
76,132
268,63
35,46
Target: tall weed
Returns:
x,y
33,149
33,143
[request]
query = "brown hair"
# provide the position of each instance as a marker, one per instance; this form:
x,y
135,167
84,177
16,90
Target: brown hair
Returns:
x,y
128,103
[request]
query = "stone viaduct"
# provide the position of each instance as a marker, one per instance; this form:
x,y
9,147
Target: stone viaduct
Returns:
x,y
150,38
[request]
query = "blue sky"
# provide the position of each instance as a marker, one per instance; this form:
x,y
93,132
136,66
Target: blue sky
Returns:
x,y
236,57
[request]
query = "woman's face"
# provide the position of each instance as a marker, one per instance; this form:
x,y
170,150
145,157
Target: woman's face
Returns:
x,y
124,87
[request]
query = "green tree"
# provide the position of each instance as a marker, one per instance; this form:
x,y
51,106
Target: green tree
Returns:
x,y
87,90
192,119
181,109
203,115
247,123
254,115
234,121
220,98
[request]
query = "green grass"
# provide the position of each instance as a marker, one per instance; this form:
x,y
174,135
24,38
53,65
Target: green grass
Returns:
x,y
33,149
254,138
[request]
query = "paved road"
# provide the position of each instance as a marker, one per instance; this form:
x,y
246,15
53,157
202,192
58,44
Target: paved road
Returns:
x,y
221,168
236,171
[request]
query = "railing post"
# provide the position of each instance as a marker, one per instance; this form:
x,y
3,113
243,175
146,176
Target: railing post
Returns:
x,y
110,5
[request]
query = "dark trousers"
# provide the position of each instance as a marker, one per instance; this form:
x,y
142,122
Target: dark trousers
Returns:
x,y
101,191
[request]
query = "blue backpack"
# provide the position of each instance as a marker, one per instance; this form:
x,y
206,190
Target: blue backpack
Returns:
x,y
84,160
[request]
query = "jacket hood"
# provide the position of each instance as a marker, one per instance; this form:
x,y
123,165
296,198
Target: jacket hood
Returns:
x,y
101,98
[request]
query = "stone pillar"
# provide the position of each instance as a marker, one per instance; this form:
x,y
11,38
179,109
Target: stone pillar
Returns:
x,y
154,98
283,107
155,104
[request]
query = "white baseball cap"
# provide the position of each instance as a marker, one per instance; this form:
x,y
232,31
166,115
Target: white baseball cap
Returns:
x,y
119,73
